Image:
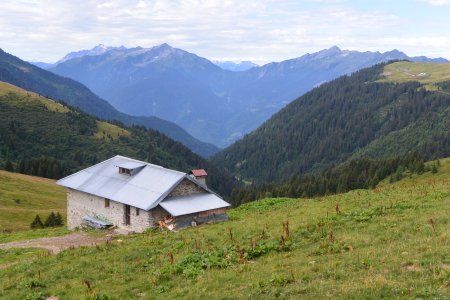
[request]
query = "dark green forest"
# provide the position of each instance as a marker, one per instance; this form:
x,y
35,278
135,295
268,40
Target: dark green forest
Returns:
x,y
350,117
37,141
357,174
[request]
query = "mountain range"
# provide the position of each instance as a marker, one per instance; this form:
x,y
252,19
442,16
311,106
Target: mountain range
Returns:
x,y
233,66
381,111
27,76
214,105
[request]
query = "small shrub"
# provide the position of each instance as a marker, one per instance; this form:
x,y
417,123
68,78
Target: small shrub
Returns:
x,y
279,280
35,296
98,297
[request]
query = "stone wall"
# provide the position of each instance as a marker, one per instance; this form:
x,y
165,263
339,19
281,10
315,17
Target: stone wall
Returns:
x,y
80,204
186,187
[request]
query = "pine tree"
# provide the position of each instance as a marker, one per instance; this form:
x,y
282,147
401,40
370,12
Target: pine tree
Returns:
x,y
58,219
51,220
37,223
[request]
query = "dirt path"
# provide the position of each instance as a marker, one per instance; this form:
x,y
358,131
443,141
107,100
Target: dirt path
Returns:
x,y
59,243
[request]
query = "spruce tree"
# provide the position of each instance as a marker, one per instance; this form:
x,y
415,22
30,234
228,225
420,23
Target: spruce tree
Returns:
x,y
37,223
58,219
51,220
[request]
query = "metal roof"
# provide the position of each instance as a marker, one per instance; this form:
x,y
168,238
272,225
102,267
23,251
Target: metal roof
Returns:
x,y
131,165
188,204
143,190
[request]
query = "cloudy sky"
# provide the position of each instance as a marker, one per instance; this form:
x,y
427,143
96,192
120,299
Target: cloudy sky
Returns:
x,y
257,30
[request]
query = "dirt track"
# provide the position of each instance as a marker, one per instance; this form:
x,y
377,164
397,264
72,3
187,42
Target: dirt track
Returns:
x,y
58,243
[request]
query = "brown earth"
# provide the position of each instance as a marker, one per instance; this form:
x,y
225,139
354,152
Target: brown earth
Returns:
x,y
59,243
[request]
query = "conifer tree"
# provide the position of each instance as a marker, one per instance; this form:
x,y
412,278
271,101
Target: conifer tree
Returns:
x,y
58,219
37,223
51,220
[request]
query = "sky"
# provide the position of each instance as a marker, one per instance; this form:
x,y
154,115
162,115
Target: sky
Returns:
x,y
258,30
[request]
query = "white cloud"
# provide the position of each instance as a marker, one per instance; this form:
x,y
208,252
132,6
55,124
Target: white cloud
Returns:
x,y
262,30
436,2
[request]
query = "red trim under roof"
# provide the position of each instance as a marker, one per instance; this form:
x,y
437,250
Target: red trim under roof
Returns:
x,y
199,173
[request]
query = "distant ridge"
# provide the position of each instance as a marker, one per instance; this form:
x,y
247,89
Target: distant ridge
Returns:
x,y
32,78
235,67
212,104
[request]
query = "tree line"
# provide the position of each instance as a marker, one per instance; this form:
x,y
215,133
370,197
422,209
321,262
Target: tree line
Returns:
x,y
362,173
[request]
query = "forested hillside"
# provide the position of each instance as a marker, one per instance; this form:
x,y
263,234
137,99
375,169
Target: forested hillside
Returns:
x,y
360,173
31,78
364,114
41,137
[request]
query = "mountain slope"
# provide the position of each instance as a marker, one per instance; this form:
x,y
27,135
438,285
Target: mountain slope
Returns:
x,y
24,196
352,116
215,105
162,81
387,243
41,137
27,76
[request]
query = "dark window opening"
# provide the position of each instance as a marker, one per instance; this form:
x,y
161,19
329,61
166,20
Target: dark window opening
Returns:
x,y
127,215
124,171
106,202
137,211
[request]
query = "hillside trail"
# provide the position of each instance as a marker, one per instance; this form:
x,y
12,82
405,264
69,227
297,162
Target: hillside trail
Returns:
x,y
57,244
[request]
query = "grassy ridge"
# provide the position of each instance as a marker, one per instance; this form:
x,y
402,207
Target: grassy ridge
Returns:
x,y
391,242
23,196
426,73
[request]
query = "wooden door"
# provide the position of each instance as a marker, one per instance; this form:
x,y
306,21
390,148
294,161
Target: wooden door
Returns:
x,y
127,214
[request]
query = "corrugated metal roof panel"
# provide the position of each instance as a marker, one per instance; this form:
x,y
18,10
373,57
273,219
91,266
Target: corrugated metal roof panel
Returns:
x,y
143,190
188,204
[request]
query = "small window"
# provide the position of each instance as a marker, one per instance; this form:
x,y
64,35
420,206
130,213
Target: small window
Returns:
x,y
106,202
124,171
137,211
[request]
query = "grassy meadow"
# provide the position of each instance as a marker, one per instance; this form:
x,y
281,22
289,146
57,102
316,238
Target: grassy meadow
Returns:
x,y
23,196
426,73
391,242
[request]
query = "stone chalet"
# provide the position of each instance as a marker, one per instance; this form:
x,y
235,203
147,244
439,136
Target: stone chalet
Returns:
x,y
136,195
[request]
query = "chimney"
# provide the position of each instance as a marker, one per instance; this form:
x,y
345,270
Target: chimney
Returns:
x,y
199,175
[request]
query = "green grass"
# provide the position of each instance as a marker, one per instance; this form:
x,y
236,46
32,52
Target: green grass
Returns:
x,y
107,130
392,242
426,73
23,196
6,88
